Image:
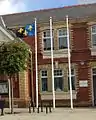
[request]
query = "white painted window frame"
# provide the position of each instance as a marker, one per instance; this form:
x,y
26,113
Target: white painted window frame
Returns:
x,y
61,36
49,37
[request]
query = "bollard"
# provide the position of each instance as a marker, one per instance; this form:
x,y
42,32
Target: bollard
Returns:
x,y
29,109
50,109
33,108
38,109
41,107
2,111
29,105
46,109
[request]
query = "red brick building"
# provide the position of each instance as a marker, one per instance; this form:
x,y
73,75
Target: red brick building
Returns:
x,y
82,27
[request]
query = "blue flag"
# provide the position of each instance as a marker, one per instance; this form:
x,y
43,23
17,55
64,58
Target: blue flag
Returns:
x,y
30,30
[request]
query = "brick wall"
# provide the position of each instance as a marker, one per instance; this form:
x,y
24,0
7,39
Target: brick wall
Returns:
x,y
80,52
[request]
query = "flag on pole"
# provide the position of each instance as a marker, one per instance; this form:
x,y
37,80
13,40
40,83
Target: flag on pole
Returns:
x,y
69,61
31,30
20,32
28,30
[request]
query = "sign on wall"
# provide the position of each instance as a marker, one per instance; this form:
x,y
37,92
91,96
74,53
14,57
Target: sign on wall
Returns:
x,y
3,87
83,83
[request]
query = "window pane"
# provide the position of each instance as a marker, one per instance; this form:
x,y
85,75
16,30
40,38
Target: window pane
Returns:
x,y
94,29
72,79
94,40
73,83
72,71
44,84
58,83
47,44
94,70
46,34
62,42
62,32
57,72
44,72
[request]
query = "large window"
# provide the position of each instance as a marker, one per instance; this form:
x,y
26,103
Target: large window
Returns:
x,y
93,35
58,80
47,40
62,37
72,79
44,80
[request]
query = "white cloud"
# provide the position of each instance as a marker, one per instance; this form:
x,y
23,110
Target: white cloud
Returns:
x,y
11,6
86,1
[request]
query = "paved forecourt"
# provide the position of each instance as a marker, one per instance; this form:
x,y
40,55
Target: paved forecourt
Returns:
x,y
57,114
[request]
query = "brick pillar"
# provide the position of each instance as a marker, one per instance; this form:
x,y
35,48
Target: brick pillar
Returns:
x,y
83,91
23,87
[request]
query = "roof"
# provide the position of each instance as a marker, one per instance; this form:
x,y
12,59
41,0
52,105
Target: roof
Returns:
x,y
78,11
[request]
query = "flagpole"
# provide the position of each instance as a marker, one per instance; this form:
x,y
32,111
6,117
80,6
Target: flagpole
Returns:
x,y
9,95
36,63
69,62
53,91
3,22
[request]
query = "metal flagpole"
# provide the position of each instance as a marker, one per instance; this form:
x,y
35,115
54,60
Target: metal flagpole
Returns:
x,y
69,62
32,79
36,63
53,91
3,22
9,95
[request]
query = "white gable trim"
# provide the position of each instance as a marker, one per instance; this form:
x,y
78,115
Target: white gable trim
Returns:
x,y
6,33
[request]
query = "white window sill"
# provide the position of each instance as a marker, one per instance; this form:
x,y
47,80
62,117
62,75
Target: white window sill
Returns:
x,y
56,53
58,95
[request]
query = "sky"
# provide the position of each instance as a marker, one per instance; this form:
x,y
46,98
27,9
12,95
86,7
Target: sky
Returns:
x,y
15,6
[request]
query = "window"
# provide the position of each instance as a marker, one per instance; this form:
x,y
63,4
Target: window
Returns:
x,y
44,80
58,80
72,79
47,40
94,73
94,35
62,37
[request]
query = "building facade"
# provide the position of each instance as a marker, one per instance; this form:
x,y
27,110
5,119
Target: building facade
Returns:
x,y
82,29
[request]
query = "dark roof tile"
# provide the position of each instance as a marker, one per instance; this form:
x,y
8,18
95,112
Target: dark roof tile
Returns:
x,y
21,19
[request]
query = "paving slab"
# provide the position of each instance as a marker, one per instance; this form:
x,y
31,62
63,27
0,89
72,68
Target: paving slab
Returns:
x,y
57,114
